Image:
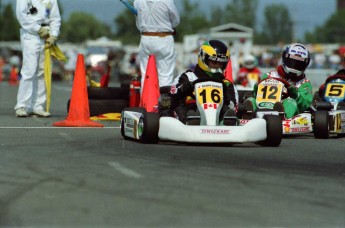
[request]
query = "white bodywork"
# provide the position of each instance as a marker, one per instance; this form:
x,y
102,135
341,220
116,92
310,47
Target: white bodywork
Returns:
x,y
172,129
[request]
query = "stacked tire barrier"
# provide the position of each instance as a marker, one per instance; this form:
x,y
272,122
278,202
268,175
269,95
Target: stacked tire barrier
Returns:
x,y
107,99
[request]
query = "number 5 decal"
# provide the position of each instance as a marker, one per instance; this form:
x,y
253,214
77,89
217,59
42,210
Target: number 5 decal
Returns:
x,y
335,90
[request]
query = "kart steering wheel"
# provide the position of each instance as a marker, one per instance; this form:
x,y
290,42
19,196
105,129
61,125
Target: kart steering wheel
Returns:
x,y
206,79
286,83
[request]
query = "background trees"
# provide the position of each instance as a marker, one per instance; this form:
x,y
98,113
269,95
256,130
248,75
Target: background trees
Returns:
x,y
9,26
83,26
333,30
277,26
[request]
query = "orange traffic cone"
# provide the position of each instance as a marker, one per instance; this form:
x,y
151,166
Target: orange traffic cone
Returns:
x,y
13,79
2,64
79,112
150,93
228,72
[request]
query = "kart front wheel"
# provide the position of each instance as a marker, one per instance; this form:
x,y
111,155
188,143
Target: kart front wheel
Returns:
x,y
149,127
321,124
274,130
129,109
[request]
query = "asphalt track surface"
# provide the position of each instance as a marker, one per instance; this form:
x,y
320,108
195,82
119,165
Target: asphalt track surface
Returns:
x,y
91,177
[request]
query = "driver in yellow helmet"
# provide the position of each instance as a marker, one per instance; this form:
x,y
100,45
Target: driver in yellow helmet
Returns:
x,y
213,58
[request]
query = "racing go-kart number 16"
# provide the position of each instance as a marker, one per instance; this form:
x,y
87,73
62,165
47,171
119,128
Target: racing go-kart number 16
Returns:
x,y
149,127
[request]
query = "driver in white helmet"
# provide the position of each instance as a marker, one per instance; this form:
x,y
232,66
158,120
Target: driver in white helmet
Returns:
x,y
295,60
249,73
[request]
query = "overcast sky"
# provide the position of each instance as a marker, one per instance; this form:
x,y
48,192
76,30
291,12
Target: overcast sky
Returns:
x,y
305,13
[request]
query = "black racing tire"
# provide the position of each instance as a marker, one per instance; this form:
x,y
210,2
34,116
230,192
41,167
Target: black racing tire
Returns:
x,y
132,109
321,124
274,129
109,93
98,107
150,127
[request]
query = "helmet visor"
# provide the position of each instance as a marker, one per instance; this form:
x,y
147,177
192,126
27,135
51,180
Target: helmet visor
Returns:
x,y
216,62
296,62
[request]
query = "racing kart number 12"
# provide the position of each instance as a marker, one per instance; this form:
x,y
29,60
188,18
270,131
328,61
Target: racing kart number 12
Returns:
x,y
210,93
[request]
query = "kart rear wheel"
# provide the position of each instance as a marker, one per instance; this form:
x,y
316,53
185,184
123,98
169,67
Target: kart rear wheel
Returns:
x,y
131,109
274,130
321,124
149,127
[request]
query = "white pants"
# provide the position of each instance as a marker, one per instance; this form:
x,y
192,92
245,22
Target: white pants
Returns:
x,y
164,51
32,91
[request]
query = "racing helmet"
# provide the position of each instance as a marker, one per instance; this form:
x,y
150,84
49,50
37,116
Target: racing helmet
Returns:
x,y
249,61
213,57
295,59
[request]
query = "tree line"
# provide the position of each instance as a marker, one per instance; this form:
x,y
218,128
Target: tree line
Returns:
x,y
278,25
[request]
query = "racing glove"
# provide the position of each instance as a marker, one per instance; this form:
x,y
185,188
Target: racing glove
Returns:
x,y
51,40
293,92
186,87
43,32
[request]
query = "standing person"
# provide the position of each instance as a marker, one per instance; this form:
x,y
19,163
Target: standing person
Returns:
x,y
295,60
40,23
156,21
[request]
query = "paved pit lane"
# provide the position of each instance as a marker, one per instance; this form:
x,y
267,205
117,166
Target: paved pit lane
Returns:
x,y
69,177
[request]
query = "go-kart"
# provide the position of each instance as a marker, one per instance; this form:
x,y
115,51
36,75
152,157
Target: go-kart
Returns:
x,y
272,91
149,127
332,104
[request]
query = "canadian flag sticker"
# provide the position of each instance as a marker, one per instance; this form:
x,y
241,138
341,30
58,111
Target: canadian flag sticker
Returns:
x,y
212,106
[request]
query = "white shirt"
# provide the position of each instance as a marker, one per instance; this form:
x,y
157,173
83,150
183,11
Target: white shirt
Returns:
x,y
47,13
156,15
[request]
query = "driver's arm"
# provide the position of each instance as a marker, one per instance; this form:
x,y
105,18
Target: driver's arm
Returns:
x,y
184,86
305,96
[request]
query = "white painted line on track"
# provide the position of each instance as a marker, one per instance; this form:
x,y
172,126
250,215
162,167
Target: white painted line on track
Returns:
x,y
125,171
66,136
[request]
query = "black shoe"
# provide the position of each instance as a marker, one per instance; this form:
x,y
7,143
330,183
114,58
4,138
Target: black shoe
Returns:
x,y
278,106
248,106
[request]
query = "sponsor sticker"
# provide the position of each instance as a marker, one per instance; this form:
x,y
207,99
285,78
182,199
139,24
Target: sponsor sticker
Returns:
x,y
215,131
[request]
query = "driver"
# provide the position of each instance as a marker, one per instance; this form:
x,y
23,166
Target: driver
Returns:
x,y
213,58
295,60
249,74
339,75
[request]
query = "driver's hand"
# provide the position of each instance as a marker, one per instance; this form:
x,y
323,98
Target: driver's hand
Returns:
x,y
187,87
293,92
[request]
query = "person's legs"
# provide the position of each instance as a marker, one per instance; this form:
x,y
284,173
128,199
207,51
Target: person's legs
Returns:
x,y
181,112
39,93
143,55
290,107
30,46
164,52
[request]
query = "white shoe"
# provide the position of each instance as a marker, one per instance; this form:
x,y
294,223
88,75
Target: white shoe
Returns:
x,y
41,113
21,112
